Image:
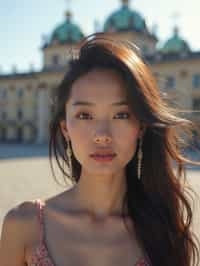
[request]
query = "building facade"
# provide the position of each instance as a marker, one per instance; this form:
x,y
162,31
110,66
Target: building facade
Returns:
x,y
26,98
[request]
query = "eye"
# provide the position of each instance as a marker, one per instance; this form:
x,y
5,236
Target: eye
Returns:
x,y
81,115
124,114
84,115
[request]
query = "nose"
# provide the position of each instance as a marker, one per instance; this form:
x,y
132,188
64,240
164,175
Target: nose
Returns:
x,y
102,139
102,136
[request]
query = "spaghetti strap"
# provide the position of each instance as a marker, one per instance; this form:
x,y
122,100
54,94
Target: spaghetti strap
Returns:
x,y
40,214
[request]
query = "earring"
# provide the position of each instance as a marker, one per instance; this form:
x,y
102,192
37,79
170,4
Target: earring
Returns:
x,y
69,156
140,155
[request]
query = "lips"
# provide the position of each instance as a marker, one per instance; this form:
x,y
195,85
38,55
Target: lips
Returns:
x,y
103,154
103,157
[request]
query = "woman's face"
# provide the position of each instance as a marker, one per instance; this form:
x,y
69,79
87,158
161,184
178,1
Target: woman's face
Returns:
x,y
101,124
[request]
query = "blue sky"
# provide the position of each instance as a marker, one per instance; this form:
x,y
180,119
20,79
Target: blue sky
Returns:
x,y
23,22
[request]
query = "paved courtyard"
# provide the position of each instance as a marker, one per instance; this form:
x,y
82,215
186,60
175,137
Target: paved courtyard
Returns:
x,y
25,174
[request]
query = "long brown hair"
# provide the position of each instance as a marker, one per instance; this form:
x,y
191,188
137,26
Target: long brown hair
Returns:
x,y
158,203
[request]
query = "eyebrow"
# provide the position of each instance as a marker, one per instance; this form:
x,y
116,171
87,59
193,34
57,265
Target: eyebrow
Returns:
x,y
77,103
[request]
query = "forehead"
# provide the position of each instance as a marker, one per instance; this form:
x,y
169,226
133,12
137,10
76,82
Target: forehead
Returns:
x,y
99,85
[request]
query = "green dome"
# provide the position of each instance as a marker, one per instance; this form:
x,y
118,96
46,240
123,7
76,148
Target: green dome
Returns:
x,y
67,32
175,44
125,19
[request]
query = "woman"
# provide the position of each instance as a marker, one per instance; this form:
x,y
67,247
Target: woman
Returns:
x,y
119,141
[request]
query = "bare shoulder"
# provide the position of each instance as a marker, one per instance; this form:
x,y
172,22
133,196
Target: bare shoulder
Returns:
x,y
20,215
21,212
19,219
16,233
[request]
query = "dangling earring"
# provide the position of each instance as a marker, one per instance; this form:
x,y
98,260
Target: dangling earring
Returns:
x,y
69,156
140,155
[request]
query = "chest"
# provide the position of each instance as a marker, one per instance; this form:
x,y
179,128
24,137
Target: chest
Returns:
x,y
87,244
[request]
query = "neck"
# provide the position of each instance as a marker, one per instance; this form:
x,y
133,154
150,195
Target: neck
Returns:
x,y
101,197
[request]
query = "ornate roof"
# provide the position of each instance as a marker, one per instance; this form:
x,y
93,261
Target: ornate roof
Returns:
x,y
175,44
125,19
67,32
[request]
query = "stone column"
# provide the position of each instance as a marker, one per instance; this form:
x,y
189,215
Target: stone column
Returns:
x,y
42,116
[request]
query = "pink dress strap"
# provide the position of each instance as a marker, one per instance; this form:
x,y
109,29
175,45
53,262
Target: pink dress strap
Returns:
x,y
40,256
40,214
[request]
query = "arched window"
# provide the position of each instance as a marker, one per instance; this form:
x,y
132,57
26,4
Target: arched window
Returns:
x,y
19,113
170,82
3,93
3,115
196,104
19,134
20,93
196,81
2,133
55,59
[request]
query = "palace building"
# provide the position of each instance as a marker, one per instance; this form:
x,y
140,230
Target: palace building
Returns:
x,y
25,98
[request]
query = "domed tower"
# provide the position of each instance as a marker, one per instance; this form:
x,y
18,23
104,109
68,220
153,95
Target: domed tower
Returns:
x,y
67,32
175,44
63,37
128,24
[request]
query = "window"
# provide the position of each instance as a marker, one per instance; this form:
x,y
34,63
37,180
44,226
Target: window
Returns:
x,y
19,114
55,59
196,104
2,134
3,115
196,81
170,82
145,50
19,134
20,93
3,93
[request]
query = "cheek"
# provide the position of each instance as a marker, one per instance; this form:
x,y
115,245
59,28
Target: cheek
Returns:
x,y
78,131
128,133
79,137
127,139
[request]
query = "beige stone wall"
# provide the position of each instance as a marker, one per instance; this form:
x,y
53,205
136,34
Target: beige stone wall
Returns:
x,y
24,128
12,101
62,52
183,72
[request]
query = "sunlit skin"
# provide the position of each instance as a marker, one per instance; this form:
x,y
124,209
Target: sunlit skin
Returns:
x,y
102,184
